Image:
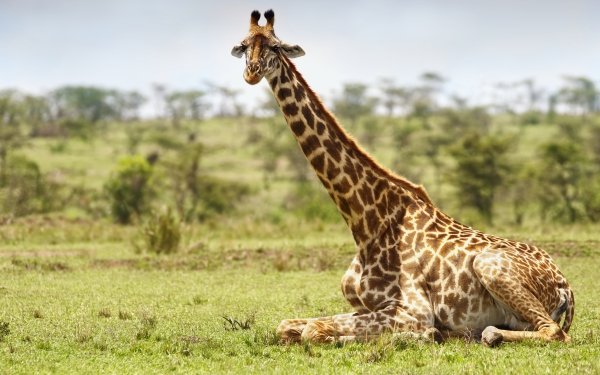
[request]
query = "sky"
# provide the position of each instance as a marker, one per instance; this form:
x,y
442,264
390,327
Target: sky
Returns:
x,y
131,44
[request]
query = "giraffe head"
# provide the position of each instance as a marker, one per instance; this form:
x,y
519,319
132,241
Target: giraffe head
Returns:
x,y
262,48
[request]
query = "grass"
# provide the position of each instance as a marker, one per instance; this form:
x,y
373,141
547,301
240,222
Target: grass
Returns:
x,y
88,307
76,298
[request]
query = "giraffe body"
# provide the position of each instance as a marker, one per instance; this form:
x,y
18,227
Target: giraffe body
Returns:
x,y
417,272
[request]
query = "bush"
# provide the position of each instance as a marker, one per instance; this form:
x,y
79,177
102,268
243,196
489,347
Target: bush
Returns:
x,y
560,176
77,128
312,202
162,233
129,188
23,188
218,196
590,196
196,194
481,168
4,330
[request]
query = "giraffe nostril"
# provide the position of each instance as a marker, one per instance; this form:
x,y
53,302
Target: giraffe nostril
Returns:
x,y
254,68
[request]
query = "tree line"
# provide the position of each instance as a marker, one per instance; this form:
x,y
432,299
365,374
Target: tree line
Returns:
x,y
473,158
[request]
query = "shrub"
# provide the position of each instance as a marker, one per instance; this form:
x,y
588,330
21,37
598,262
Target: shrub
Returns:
x,y
77,128
312,202
4,330
162,233
196,194
590,196
218,196
23,188
129,188
481,168
560,175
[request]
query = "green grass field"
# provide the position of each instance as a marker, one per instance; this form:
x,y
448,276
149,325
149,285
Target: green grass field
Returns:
x,y
78,299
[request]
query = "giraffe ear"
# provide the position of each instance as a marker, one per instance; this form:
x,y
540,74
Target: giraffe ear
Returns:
x,y
292,51
238,51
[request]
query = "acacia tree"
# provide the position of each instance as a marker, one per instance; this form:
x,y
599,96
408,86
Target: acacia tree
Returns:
x,y
11,118
394,97
188,104
126,104
481,168
87,103
229,105
560,178
581,94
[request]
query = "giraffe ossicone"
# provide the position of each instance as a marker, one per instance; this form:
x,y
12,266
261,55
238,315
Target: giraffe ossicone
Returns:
x,y
417,272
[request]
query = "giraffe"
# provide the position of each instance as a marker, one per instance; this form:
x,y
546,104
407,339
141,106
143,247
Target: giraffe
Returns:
x,y
417,272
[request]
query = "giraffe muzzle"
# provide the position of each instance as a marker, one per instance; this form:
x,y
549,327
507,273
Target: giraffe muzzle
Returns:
x,y
253,73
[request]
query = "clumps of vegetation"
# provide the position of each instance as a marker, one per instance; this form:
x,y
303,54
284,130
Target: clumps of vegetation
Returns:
x,y
199,300
311,202
266,337
481,169
233,324
105,312
195,194
147,324
380,351
129,189
125,315
24,189
317,259
161,234
185,345
38,265
37,313
83,334
4,330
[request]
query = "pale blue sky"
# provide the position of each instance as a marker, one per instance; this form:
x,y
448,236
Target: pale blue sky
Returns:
x,y
130,44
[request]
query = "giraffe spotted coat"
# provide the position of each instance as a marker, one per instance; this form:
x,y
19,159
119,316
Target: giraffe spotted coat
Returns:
x,y
417,272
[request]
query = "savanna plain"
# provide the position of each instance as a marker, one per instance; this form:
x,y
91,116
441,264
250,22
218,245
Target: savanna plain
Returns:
x,y
80,293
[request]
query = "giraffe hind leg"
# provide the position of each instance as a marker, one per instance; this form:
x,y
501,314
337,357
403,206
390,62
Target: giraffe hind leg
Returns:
x,y
506,285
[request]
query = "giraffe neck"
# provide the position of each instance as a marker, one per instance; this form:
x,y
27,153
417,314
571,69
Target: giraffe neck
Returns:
x,y
366,195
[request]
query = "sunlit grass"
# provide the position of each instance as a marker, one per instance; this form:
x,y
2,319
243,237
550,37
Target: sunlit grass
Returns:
x,y
214,308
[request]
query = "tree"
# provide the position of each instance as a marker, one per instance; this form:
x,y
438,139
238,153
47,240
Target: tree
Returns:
x,y
481,169
560,177
533,93
353,102
188,104
228,100
580,94
159,90
126,104
35,111
394,97
129,188
11,119
87,103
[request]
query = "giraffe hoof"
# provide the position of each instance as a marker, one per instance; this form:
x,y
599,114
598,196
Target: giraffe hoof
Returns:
x,y
491,337
433,335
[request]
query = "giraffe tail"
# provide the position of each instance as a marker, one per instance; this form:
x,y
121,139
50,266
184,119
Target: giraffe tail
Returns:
x,y
570,311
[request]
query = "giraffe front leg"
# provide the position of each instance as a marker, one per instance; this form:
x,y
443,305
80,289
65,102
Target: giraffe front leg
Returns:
x,y
290,330
365,327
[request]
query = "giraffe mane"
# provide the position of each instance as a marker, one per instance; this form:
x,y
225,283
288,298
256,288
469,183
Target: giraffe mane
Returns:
x,y
418,190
